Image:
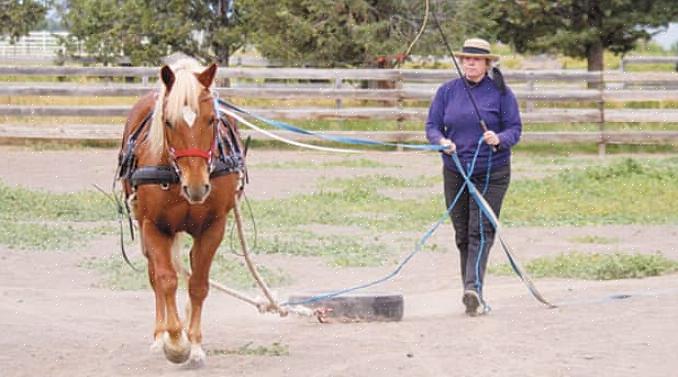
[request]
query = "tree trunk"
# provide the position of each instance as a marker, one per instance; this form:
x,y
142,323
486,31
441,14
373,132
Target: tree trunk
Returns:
x,y
594,59
223,55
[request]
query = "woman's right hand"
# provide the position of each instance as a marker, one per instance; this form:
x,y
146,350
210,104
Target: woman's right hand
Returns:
x,y
451,147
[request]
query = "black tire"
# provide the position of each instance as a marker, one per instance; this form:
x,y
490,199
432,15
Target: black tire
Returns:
x,y
357,307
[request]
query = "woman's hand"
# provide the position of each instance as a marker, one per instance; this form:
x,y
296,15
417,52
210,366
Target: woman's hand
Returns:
x,y
451,147
491,138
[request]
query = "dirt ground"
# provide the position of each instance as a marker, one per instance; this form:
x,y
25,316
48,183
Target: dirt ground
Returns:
x,y
54,322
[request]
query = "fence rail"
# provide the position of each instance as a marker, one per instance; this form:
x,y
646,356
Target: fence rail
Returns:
x,y
402,97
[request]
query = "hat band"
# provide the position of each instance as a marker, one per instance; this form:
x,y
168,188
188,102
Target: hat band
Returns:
x,y
475,50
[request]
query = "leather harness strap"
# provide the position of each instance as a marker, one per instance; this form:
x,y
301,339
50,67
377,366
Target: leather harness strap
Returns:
x,y
233,162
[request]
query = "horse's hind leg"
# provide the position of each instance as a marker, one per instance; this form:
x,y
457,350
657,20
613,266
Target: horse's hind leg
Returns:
x,y
204,247
164,280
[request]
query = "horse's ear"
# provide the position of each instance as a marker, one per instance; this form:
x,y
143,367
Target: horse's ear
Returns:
x,y
167,77
207,76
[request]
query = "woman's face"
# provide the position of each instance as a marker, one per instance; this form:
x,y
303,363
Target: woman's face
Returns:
x,y
474,68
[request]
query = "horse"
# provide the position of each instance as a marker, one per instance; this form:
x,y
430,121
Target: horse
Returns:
x,y
181,166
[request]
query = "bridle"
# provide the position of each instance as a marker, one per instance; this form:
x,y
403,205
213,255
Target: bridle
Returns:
x,y
208,155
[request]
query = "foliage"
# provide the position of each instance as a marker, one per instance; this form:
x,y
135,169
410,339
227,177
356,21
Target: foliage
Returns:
x,y
596,266
624,192
309,164
339,251
275,349
594,239
18,17
578,28
47,236
146,31
23,204
331,33
116,274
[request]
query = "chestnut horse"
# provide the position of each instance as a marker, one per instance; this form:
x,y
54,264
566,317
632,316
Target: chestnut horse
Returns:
x,y
181,166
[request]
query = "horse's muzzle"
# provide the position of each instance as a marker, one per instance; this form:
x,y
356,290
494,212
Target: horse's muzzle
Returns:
x,y
196,194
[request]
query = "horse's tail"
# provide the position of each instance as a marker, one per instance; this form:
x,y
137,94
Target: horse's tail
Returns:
x,y
178,265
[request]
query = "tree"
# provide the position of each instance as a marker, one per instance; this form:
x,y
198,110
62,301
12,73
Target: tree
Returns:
x,y
18,17
337,33
578,28
146,31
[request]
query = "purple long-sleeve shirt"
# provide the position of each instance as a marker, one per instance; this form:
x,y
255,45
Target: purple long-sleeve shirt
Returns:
x,y
452,116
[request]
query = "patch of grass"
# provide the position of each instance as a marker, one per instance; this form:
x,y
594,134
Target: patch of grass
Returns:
x,y
568,149
339,251
594,239
355,205
116,274
596,266
595,127
17,203
373,183
59,145
625,192
608,194
275,349
309,164
49,236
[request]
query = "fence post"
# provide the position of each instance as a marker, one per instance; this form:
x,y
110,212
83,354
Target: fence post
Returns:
x,y
337,85
601,109
399,106
529,105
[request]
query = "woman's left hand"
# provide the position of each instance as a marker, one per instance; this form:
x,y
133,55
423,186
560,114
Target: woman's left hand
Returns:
x,y
491,138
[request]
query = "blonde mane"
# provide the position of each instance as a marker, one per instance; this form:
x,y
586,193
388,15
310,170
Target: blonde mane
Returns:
x,y
185,92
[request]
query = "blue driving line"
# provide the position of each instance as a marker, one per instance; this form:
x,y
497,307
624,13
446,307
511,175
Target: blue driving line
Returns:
x,y
420,243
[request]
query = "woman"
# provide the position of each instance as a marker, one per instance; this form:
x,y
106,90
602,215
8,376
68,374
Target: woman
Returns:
x,y
452,122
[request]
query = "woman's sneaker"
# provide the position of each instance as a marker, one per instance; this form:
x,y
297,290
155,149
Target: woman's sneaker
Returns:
x,y
472,302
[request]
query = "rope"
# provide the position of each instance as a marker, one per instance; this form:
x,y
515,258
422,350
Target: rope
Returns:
x,y
420,243
416,38
487,211
284,140
482,203
227,107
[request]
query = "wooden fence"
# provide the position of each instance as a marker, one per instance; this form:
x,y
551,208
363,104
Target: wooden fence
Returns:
x,y
546,97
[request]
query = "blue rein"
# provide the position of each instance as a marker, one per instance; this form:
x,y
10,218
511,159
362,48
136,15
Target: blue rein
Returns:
x,y
485,209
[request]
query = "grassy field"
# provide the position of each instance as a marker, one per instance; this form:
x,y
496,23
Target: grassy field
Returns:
x,y
381,226
593,266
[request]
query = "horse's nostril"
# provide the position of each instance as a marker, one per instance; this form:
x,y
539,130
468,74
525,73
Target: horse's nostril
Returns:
x,y
207,188
185,189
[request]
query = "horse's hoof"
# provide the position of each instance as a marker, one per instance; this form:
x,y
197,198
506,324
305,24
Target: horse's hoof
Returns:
x,y
177,353
197,359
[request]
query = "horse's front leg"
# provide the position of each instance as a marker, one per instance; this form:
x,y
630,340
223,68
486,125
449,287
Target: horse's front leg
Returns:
x,y
204,247
163,277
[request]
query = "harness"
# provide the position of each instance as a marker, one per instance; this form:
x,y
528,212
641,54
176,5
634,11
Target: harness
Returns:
x,y
166,175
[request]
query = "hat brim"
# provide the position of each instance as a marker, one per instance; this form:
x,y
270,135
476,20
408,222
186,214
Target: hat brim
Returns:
x,y
461,54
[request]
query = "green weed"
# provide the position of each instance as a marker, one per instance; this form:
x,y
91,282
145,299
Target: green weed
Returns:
x,y
17,203
116,274
596,266
47,236
275,349
593,240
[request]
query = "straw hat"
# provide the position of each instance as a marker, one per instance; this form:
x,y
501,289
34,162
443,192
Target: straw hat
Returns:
x,y
476,48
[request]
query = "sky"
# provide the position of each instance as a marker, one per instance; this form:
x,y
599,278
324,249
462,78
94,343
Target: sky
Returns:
x,y
669,37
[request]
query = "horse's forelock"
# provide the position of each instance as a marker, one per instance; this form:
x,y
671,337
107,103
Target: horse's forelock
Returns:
x,y
185,92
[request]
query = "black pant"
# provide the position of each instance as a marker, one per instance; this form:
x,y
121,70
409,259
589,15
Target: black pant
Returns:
x,y
466,220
